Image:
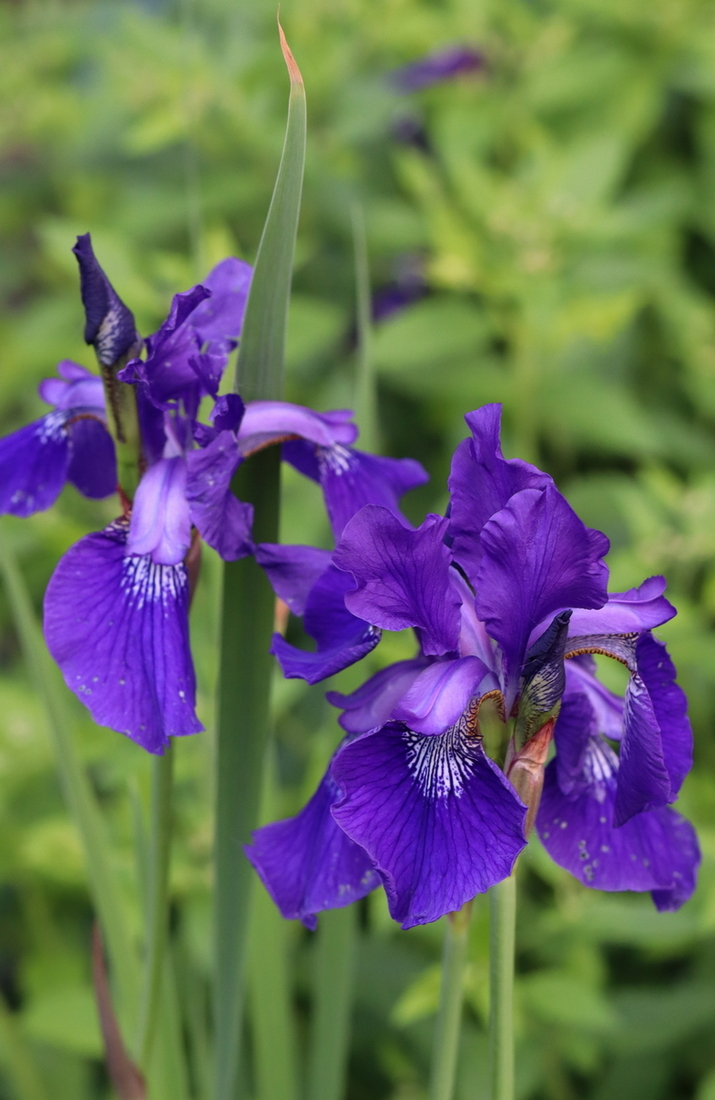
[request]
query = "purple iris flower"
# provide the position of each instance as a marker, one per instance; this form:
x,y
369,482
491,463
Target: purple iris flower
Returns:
x,y
70,443
116,607
498,594
437,67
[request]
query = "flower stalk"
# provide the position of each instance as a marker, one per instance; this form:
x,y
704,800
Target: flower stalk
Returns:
x,y
502,926
449,1014
157,901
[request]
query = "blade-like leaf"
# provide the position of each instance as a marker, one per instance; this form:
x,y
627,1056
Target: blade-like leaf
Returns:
x,y
248,601
259,369
365,388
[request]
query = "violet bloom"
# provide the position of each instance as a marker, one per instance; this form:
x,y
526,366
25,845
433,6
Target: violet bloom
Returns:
x,y
498,595
443,65
116,608
70,443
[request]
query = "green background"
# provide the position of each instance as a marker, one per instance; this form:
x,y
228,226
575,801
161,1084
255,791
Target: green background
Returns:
x,y
561,212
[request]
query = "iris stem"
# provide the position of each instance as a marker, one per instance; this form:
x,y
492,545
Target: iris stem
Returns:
x,y
449,1013
502,928
334,973
243,723
157,900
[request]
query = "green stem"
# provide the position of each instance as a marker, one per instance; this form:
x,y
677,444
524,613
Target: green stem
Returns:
x,y
449,1014
243,721
334,973
502,927
365,392
80,798
274,1054
157,900
123,424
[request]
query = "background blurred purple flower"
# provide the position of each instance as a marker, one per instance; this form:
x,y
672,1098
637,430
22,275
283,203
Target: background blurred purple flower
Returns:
x,y
442,65
71,443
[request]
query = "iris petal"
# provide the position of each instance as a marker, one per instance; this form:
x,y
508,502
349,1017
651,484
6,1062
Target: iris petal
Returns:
x,y
341,638
160,523
33,465
481,482
307,863
118,627
223,520
537,557
437,817
402,576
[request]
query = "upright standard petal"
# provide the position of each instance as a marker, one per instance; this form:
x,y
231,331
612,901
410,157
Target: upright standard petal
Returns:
x,y
109,324
481,483
171,371
160,525
33,465
403,577
223,520
218,320
308,864
341,638
437,817
118,627
537,558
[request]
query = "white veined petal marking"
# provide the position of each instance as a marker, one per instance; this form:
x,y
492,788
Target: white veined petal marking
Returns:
x,y
443,763
337,458
52,427
600,765
146,582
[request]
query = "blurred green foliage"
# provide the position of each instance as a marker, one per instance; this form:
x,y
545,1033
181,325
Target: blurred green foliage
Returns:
x,y
558,207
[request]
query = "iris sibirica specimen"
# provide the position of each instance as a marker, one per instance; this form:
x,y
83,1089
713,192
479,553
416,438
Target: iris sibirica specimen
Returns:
x,y
507,596
116,607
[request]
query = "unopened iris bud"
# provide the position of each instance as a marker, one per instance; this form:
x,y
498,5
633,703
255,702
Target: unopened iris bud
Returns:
x,y
109,324
543,680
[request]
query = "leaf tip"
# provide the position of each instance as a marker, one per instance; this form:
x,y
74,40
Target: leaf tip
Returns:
x,y
293,70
